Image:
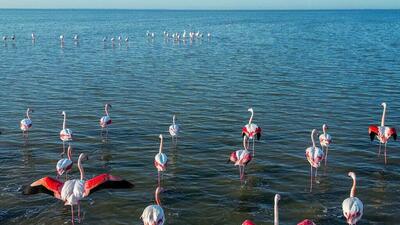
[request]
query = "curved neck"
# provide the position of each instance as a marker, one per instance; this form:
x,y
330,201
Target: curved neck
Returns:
x,y
312,139
70,152
276,213
383,116
161,144
353,188
106,109
81,167
65,118
27,114
244,142
157,196
251,117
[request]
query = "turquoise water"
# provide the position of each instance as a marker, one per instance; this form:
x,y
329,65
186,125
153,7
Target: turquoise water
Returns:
x,y
297,69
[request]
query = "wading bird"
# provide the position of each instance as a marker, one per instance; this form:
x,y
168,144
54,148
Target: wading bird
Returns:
x,y
154,214
325,140
174,129
352,206
26,123
160,160
65,165
241,158
251,130
72,191
314,156
105,120
382,132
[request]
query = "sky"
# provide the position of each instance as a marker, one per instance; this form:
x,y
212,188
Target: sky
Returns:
x,y
204,4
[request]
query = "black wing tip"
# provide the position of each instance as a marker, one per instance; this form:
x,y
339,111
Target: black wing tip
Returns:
x,y
372,136
31,190
258,136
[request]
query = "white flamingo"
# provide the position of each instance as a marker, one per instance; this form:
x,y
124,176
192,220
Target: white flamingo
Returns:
x,y
352,207
154,214
65,165
314,156
174,129
105,121
26,123
251,130
160,160
325,140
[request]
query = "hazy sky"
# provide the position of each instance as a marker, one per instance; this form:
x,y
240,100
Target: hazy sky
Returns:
x,y
205,4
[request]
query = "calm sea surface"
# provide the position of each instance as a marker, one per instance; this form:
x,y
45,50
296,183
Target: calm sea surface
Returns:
x,y
297,69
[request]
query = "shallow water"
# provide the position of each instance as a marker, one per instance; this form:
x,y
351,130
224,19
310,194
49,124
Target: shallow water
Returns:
x,y
297,69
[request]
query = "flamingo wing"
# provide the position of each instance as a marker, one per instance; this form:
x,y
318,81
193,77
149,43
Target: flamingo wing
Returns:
x,y
306,222
248,222
373,131
103,181
45,185
392,132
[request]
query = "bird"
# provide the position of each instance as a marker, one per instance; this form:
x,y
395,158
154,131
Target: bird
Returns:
x,y
325,140
160,160
26,123
352,207
76,38
62,38
154,214
65,165
277,198
13,37
104,39
251,130
33,36
4,38
209,35
72,191
127,39
382,133
174,129
65,133
314,156
241,158
105,121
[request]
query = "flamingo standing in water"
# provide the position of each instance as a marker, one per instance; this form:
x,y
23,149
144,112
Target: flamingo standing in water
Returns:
x,y
241,158
174,129
325,140
65,165
105,120
160,160
26,123
352,206
251,130
65,133
314,156
277,198
72,191
154,214
382,132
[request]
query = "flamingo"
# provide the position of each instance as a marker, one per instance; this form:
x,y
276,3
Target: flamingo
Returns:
x,y
105,120
314,156
241,158
33,37
352,206
13,37
277,198
26,123
154,214
65,165
62,38
325,140
65,133
76,38
382,132
72,191
174,129
160,160
251,129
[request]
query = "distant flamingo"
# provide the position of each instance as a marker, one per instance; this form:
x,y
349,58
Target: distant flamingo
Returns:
x,y
105,120
154,214
241,158
160,160
65,165
251,130
314,156
382,132
277,198
72,191
352,206
325,140
174,129
26,123
65,133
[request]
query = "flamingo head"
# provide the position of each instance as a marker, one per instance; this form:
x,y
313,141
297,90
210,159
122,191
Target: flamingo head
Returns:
x,y
277,197
248,222
352,175
324,127
109,105
63,113
383,104
83,157
314,132
250,110
160,136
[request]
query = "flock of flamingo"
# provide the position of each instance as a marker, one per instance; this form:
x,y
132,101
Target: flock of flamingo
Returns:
x,y
71,191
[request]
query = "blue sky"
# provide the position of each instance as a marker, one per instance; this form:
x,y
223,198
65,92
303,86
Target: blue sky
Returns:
x,y
205,4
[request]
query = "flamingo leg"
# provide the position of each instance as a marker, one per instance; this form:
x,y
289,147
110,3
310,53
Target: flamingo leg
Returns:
x,y
385,154
62,154
326,155
79,212
379,152
159,179
311,180
72,214
240,172
253,147
316,172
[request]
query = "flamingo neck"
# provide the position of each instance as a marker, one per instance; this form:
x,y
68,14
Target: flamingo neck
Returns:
x,y
251,117
157,196
353,188
81,167
383,116
27,114
65,118
276,212
312,138
161,145
106,109
173,120
244,142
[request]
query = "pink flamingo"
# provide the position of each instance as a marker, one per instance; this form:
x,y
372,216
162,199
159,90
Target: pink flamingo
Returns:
x,y
251,129
352,206
382,132
174,129
26,123
105,120
72,191
65,165
314,156
160,160
154,214
277,198
241,158
325,140
65,133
